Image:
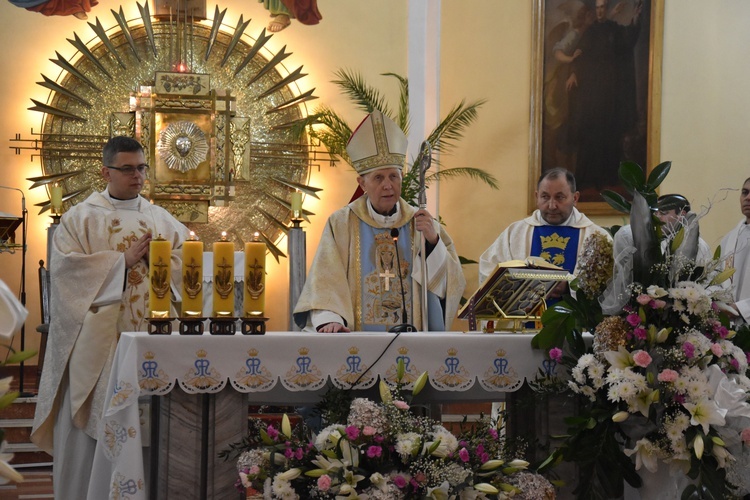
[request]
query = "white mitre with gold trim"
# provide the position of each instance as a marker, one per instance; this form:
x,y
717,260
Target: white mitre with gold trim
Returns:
x,y
377,143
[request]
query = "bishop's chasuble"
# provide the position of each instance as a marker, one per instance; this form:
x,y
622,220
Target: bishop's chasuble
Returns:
x,y
94,298
357,275
559,245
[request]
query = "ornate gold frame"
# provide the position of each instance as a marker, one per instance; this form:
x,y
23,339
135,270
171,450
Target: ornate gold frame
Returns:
x,y
540,8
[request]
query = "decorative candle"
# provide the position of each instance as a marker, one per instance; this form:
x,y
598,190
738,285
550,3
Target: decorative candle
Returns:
x,y
255,278
192,277
160,277
223,277
296,204
55,195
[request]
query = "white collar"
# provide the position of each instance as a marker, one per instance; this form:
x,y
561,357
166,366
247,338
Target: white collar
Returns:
x,y
387,221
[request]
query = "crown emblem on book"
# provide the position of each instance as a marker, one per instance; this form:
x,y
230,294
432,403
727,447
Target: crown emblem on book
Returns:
x,y
555,241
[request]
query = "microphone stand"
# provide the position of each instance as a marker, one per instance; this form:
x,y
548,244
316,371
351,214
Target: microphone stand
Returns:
x,y
404,326
24,217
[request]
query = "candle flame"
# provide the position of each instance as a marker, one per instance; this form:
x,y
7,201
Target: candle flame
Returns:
x,y
223,236
192,236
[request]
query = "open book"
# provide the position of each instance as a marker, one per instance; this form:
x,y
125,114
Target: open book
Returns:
x,y
514,291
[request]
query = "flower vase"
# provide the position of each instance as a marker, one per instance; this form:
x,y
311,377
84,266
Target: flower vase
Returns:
x,y
665,484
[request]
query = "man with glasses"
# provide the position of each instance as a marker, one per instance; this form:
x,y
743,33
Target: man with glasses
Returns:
x,y
99,288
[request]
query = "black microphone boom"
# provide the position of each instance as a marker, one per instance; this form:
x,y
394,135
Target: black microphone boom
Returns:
x,y
404,326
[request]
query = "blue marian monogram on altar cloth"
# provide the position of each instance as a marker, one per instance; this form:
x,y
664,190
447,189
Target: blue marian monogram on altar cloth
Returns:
x,y
557,245
452,376
381,286
352,369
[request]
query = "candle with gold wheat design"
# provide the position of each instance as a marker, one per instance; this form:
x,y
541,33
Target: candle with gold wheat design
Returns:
x,y
254,301
223,303
192,277
160,277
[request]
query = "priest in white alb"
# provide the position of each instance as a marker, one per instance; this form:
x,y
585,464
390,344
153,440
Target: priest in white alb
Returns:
x,y
99,288
366,275
735,251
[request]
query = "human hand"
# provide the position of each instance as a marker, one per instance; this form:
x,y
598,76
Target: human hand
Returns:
x,y
333,327
423,223
137,250
571,83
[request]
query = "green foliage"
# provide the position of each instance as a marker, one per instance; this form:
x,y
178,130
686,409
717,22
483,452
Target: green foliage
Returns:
x,y
328,127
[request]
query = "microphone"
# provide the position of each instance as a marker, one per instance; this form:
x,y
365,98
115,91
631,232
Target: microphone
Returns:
x,y
404,326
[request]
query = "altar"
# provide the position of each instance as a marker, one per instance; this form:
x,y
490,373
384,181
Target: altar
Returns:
x,y
286,368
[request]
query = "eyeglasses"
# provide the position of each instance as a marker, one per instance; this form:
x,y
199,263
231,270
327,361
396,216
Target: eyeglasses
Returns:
x,y
141,169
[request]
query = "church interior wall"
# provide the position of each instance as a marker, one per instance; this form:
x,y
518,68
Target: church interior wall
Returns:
x,y
485,54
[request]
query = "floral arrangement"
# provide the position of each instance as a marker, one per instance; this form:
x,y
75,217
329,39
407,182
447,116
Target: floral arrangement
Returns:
x,y
383,451
664,383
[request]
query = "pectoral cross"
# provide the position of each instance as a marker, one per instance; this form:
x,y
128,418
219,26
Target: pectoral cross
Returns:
x,y
387,274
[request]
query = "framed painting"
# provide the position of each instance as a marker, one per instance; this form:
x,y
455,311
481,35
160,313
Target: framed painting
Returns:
x,y
596,92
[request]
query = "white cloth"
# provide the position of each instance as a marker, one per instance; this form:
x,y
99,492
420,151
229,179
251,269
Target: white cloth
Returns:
x,y
12,312
89,278
515,242
735,248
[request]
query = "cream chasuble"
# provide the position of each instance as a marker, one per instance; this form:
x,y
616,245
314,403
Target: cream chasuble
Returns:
x,y
735,248
93,299
355,271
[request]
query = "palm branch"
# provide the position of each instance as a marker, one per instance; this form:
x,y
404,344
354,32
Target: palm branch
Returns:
x,y
333,132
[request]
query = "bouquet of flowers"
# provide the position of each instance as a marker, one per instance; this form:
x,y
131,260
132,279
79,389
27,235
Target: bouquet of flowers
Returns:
x,y
664,382
384,451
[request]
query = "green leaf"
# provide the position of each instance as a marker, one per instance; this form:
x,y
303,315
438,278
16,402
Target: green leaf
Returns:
x,y
19,356
657,175
464,260
616,201
631,175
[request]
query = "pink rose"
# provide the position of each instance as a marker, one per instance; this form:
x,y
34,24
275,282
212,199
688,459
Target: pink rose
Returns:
x,y
717,350
369,430
324,483
633,319
399,481
642,358
643,299
658,304
640,333
555,354
745,434
463,454
667,375
272,432
401,405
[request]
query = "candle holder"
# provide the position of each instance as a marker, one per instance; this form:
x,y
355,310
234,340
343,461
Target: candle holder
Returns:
x,y
191,325
223,325
160,326
254,325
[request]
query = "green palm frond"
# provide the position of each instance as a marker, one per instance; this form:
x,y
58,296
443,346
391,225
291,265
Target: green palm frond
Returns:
x,y
403,102
451,129
365,97
471,172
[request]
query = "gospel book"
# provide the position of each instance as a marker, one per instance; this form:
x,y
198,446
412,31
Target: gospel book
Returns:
x,y
515,291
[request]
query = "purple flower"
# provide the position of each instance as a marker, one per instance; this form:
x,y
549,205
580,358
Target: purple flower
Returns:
x,y
555,354
272,432
493,433
735,364
640,333
633,319
688,349
352,432
723,332
288,453
299,454
463,454
484,457
399,481
374,451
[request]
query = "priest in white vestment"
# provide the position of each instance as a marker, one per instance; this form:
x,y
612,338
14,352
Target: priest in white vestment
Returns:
x,y
99,288
735,248
367,273
556,231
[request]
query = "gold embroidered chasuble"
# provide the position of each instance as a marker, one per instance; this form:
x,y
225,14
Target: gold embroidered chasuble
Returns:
x,y
86,254
336,281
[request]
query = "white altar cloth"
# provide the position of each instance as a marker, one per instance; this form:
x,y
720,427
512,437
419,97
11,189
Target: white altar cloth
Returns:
x,y
295,363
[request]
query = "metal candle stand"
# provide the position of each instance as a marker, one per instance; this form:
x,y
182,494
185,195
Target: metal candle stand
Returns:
x,y
191,325
160,326
254,325
223,325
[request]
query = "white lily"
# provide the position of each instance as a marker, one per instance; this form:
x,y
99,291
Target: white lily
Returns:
x,y
7,472
290,474
705,413
620,416
620,359
439,492
645,455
